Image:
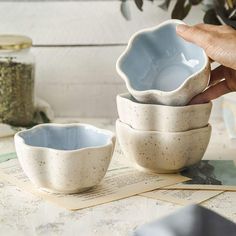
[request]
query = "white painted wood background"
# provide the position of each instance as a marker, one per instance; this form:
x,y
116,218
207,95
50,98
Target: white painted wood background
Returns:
x,y
76,44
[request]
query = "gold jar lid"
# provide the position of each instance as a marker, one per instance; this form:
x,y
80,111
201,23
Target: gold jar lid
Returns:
x,y
14,42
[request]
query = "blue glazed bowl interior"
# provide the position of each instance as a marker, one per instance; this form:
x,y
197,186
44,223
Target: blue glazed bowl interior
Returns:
x,y
161,60
65,138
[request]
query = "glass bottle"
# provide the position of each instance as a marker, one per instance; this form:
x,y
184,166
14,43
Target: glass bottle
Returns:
x,y
17,72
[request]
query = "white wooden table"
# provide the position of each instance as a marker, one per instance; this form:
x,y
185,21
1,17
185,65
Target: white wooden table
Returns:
x,y
24,214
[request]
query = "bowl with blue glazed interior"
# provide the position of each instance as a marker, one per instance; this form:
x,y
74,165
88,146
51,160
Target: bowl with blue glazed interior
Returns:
x,y
64,158
160,67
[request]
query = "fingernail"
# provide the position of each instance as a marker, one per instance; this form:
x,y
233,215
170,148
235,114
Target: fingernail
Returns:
x,y
181,28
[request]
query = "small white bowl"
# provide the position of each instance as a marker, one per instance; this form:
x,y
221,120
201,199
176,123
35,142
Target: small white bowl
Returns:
x,y
160,67
65,158
162,152
154,117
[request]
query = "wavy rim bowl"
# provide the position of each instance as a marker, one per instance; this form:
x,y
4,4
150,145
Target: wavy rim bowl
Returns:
x,y
151,91
162,152
64,166
94,128
155,117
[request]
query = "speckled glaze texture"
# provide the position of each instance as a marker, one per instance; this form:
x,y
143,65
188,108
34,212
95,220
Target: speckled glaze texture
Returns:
x,y
64,169
159,67
152,117
162,152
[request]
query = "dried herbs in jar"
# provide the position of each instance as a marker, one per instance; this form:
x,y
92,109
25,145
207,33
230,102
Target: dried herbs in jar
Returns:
x,y
16,80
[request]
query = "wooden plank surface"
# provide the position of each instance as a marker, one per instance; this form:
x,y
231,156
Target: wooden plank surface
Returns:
x,y
79,81
78,100
83,65
79,23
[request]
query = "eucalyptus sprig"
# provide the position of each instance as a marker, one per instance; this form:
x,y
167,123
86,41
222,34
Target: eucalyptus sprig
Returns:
x,y
217,12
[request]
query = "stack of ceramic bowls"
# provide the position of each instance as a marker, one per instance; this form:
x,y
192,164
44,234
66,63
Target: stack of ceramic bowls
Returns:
x,y
156,129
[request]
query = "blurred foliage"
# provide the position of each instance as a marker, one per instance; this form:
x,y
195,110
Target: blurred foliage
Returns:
x,y
217,12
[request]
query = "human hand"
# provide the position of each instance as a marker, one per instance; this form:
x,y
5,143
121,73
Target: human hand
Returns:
x,y
219,43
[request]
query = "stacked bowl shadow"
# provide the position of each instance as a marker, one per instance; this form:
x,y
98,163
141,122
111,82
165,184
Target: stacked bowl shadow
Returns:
x,y
157,130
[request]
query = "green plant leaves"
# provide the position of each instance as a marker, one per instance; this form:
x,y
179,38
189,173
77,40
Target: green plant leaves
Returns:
x,y
195,2
230,3
139,4
224,15
232,15
210,17
165,5
215,10
125,11
181,9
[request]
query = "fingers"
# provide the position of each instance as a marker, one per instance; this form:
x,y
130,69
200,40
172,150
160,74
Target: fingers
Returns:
x,y
211,93
217,74
201,34
216,28
197,35
218,45
209,37
211,60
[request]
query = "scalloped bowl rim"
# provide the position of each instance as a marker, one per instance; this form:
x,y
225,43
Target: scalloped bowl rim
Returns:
x,y
143,132
129,47
104,131
137,103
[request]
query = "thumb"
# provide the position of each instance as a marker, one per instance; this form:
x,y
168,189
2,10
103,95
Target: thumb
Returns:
x,y
195,35
211,93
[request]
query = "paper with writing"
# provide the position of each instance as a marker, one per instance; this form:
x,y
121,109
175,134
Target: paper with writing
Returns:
x,y
210,175
118,183
182,197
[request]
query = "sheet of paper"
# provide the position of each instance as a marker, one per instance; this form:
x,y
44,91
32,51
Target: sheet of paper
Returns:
x,y
118,183
7,156
201,187
182,197
210,175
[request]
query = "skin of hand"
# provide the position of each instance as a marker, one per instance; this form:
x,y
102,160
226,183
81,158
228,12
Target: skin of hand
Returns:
x,y
219,43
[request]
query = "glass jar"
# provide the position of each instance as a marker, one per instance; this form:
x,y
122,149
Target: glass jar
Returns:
x,y
17,71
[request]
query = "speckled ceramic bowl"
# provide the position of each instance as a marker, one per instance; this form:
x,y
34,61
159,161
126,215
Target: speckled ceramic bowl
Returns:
x,y
150,117
68,158
163,152
160,67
